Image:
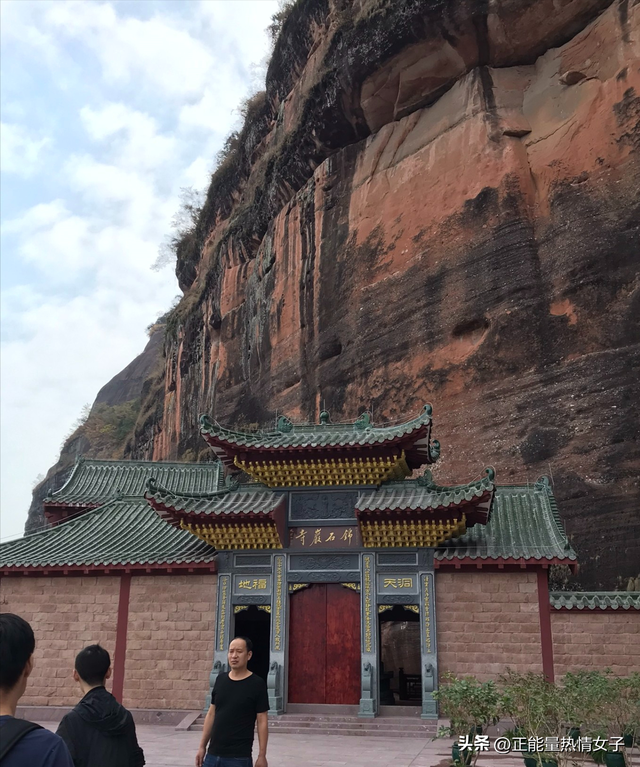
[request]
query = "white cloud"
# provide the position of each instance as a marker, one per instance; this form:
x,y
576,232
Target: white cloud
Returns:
x,y
155,52
134,139
151,102
22,23
20,152
65,353
41,215
197,174
59,249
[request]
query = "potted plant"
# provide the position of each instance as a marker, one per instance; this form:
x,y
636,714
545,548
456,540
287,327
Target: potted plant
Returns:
x,y
539,711
471,706
611,711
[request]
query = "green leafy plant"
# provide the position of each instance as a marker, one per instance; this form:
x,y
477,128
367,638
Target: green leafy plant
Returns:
x,y
610,709
471,706
540,709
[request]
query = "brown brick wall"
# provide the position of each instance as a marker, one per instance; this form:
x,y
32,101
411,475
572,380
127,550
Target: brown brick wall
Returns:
x,y
170,641
66,614
487,622
596,639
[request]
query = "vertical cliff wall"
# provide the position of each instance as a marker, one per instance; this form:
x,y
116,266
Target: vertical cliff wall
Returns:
x,y
435,201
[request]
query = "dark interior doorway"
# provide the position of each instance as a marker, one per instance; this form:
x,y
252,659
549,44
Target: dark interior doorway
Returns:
x,y
399,673
256,625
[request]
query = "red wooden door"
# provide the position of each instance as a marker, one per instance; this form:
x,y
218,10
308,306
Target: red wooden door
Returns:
x,y
324,645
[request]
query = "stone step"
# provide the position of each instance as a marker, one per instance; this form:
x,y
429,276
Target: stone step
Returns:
x,y
372,733
390,727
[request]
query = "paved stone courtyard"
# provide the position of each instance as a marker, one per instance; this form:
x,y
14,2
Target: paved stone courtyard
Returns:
x,y
164,747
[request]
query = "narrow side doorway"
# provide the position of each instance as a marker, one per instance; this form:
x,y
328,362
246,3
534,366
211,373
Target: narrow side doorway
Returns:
x,y
255,624
399,673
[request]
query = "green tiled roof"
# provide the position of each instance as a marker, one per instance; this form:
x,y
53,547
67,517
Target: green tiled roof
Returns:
x,y
122,532
595,600
289,435
92,482
242,500
422,495
524,524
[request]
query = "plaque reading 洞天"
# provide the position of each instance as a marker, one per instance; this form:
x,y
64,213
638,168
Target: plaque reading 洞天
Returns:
x,y
397,584
334,537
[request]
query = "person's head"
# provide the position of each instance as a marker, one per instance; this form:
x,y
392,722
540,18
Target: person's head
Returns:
x,y
17,644
92,666
240,652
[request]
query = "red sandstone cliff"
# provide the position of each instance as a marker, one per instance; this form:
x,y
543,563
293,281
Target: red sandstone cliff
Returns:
x,y
437,201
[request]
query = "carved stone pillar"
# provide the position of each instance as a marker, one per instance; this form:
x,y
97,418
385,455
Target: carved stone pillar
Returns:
x,y
369,638
428,648
277,665
223,621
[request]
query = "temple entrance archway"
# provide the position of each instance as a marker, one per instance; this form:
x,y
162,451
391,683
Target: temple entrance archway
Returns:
x,y
255,623
399,671
324,645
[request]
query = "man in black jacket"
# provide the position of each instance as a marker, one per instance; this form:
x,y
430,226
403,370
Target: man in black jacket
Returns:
x,y
99,732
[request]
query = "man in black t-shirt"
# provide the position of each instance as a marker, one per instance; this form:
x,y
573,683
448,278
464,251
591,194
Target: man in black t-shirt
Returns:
x,y
238,699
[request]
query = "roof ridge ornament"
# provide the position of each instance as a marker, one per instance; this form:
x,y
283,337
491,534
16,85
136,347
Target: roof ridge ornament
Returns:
x,y
205,422
284,424
543,483
231,482
325,418
491,473
434,448
152,486
426,480
363,421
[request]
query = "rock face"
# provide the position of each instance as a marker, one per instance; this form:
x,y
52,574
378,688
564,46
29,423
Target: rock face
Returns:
x,y
436,202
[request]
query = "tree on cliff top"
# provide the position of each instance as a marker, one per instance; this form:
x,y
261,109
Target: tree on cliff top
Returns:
x,y
183,224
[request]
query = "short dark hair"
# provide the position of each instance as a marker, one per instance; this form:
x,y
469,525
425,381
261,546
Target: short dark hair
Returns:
x,y
17,644
92,664
247,641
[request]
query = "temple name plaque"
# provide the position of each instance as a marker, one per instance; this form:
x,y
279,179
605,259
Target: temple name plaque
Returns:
x,y
333,537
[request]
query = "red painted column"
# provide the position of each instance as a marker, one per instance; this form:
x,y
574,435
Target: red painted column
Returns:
x,y
121,636
546,638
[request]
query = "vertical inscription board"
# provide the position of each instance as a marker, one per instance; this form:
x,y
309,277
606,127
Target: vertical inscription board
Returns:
x,y
224,609
367,595
428,644
279,597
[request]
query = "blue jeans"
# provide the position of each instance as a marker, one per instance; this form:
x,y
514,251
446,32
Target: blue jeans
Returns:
x,y
227,761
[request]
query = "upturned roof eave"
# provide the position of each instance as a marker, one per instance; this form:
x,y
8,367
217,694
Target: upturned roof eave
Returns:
x,y
280,441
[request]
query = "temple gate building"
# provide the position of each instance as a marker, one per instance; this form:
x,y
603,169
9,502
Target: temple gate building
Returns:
x,y
359,584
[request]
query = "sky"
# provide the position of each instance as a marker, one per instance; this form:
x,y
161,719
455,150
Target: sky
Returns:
x,y
108,110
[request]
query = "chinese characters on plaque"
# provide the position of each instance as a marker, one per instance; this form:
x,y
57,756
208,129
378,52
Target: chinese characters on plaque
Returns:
x,y
339,537
397,584
255,584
